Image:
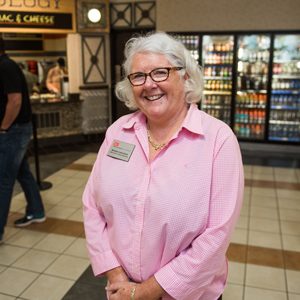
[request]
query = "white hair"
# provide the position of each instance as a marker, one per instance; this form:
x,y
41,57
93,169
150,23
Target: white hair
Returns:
x,y
177,55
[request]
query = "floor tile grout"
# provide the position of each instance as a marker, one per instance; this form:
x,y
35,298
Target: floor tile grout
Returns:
x,y
249,255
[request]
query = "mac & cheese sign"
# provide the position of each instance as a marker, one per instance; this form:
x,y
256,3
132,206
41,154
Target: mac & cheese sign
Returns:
x,y
37,16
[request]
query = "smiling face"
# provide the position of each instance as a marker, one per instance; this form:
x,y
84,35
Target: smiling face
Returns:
x,y
159,101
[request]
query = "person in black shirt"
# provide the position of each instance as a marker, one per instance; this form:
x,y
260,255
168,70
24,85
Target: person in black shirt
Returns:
x,y
15,134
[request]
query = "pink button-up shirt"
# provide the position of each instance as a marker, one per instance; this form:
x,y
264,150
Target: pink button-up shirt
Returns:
x,y
170,217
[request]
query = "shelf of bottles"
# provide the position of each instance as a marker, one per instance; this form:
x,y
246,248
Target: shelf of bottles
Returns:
x,y
217,67
251,95
191,42
284,124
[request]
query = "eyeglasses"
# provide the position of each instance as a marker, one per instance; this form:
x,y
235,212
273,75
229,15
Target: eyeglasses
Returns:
x,y
157,75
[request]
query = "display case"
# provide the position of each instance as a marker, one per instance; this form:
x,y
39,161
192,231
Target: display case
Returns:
x,y
284,123
251,82
217,62
253,54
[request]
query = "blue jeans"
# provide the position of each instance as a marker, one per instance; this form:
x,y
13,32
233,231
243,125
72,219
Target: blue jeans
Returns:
x,y
14,166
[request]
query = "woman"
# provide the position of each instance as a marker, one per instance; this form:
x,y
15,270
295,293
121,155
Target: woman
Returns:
x,y
166,188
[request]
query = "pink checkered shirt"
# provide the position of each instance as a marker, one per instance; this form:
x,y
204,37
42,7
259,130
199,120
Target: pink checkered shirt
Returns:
x,y
171,217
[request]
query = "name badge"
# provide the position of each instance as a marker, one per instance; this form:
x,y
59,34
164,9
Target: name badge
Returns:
x,y
120,150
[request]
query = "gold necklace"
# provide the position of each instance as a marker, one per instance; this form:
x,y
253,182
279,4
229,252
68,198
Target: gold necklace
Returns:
x,y
153,144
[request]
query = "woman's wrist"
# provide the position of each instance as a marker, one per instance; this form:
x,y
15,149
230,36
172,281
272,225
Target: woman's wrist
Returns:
x,y
116,274
140,292
149,290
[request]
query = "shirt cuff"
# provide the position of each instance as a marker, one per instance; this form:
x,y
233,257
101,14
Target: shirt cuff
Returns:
x,y
170,282
104,262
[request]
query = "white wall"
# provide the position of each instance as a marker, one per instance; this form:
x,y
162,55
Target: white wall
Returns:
x,y
227,15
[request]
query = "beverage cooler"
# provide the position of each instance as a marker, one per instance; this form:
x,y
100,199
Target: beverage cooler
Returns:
x,y
252,82
216,58
192,43
284,123
217,62
253,54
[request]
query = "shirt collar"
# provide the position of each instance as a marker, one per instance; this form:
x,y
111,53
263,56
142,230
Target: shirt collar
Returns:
x,y
135,119
192,121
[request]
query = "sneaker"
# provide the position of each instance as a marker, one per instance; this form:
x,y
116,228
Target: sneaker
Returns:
x,y
29,219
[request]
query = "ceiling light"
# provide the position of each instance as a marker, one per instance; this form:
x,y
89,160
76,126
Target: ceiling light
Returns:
x,y
94,15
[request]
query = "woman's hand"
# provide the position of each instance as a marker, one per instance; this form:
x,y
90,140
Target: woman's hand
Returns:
x,y
148,290
114,276
120,288
122,291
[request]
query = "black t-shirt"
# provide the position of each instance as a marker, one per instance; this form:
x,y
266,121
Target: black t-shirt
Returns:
x,y
12,80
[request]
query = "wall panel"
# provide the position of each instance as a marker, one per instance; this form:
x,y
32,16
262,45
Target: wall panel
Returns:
x,y
224,15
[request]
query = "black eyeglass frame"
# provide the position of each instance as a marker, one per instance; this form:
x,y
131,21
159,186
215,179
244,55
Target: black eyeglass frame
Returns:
x,y
150,74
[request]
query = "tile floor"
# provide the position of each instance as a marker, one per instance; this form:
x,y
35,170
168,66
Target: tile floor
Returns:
x,y
49,260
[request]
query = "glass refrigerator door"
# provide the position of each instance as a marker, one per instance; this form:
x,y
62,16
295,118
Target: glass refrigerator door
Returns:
x,y
191,42
217,66
252,77
284,124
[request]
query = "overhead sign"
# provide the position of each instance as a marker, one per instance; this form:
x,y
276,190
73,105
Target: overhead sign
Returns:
x,y
39,16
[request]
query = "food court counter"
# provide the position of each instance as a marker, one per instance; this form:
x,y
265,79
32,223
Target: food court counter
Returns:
x,y
57,116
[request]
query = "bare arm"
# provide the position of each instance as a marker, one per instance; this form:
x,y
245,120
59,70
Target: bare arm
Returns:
x,y
12,109
116,275
150,290
51,80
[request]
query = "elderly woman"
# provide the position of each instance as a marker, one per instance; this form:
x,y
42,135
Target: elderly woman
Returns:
x,y
166,189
